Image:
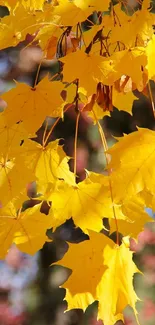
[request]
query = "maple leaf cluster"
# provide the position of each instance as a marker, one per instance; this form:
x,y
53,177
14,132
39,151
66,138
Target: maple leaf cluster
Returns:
x,y
99,67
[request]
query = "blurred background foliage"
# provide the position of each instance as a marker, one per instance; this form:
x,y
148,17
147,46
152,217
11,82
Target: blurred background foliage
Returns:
x,y
29,286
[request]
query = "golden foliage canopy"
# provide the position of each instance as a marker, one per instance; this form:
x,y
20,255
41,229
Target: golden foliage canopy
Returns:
x,y
105,53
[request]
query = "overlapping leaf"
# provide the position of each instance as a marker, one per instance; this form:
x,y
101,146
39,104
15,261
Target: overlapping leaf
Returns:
x,y
27,229
81,287
11,137
65,7
87,202
32,104
123,101
130,62
47,163
10,187
115,290
11,147
132,163
136,217
15,27
89,69
128,212
107,277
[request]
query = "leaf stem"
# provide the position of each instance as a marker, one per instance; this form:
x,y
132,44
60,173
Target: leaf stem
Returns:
x,y
38,70
105,147
151,97
77,125
45,139
75,142
40,24
45,130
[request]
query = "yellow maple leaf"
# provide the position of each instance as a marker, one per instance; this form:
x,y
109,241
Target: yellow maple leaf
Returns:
x,y
138,28
118,34
9,186
32,104
143,21
11,137
130,215
81,286
123,101
89,69
32,234
83,203
11,147
87,202
48,38
95,5
130,62
136,217
149,200
64,10
28,4
132,160
26,229
10,164
108,277
48,163
115,290
15,27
